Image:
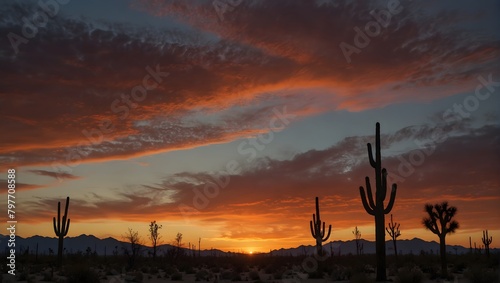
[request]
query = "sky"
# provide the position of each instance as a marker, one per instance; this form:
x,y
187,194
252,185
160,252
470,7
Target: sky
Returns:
x,y
223,120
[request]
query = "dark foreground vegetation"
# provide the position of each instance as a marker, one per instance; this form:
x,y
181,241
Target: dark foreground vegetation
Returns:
x,y
254,268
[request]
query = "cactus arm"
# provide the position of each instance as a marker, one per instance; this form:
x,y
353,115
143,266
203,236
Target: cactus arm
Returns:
x,y
67,204
59,216
370,155
365,203
63,228
378,154
312,230
329,231
55,228
391,200
369,193
67,228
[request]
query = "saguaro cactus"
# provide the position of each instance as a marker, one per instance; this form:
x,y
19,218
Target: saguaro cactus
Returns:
x,y
487,241
375,206
317,232
393,231
61,230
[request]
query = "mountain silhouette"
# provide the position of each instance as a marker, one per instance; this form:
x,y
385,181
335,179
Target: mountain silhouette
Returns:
x,y
109,245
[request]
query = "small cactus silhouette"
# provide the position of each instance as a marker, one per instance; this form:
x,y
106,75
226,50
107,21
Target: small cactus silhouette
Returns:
x,y
375,206
357,238
393,231
61,230
487,241
317,232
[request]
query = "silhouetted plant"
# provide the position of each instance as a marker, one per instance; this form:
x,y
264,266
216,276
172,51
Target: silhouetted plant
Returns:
x,y
154,235
357,237
317,232
61,230
470,245
135,246
487,241
375,206
393,231
440,223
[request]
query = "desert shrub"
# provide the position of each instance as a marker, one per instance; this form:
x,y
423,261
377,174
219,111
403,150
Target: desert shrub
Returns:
x,y
81,274
459,267
236,277
340,273
47,276
269,269
253,275
226,275
135,276
169,270
23,276
430,269
476,274
202,275
409,275
361,278
230,275
278,275
176,276
315,275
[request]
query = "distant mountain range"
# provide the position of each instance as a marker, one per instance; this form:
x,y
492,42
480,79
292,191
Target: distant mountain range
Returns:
x,y
108,246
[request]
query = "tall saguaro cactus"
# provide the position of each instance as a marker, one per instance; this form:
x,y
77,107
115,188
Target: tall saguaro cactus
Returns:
x,y
317,232
487,241
375,206
61,230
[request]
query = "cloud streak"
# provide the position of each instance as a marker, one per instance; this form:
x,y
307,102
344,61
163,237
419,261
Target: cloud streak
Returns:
x,y
271,193
76,78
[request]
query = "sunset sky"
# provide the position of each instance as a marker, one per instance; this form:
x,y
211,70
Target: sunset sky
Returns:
x,y
225,122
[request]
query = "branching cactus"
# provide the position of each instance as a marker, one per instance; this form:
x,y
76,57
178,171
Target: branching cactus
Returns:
x,y
61,229
317,232
440,222
393,231
487,241
375,205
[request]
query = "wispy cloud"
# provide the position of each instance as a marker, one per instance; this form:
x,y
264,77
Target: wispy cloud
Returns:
x,y
270,190
265,54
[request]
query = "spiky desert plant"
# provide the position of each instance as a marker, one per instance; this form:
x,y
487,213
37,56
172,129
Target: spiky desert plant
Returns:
x,y
357,238
440,223
375,206
393,231
61,230
487,241
317,232
154,235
